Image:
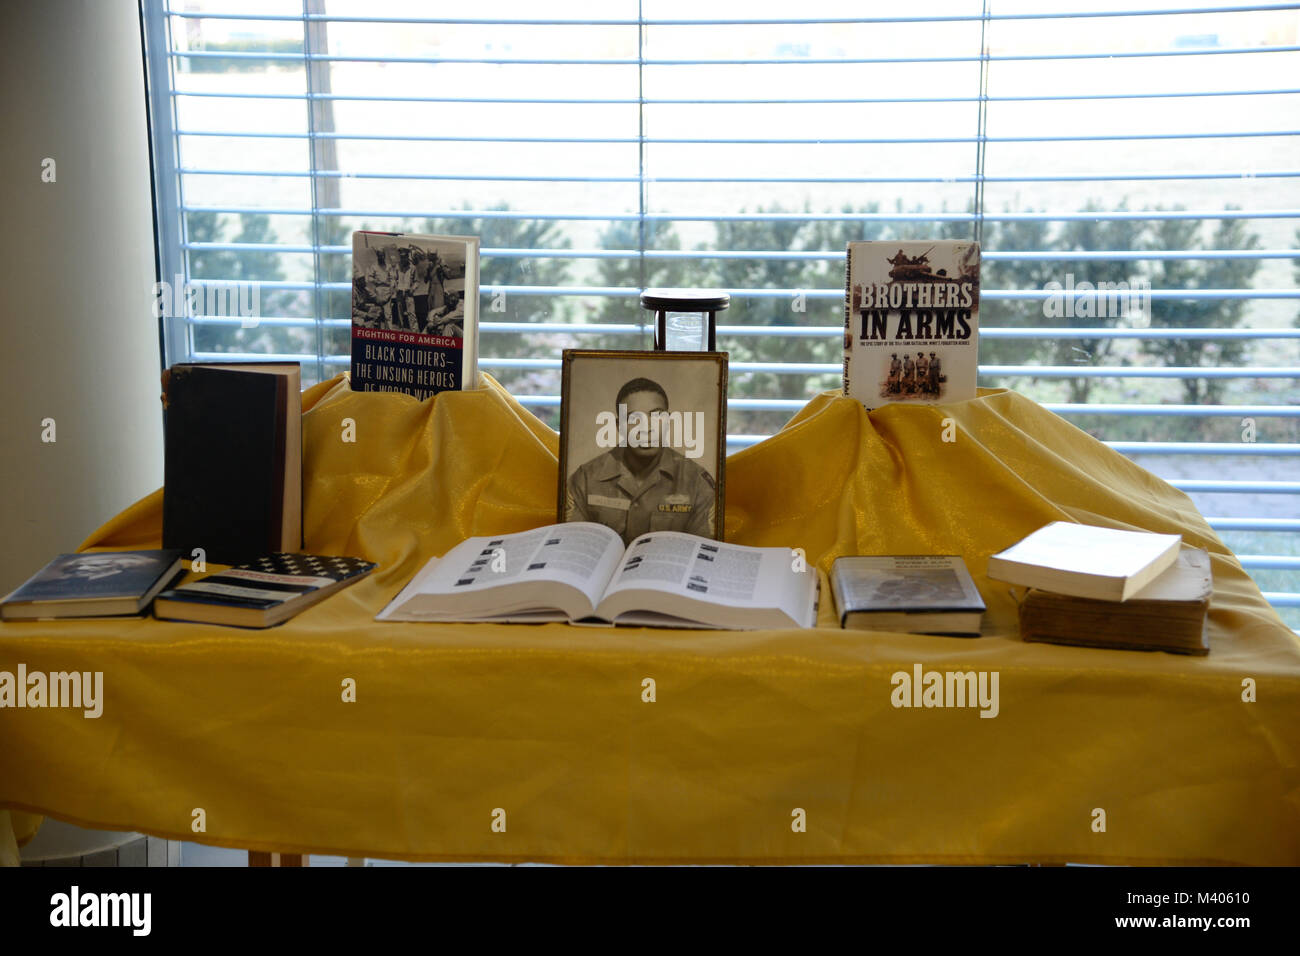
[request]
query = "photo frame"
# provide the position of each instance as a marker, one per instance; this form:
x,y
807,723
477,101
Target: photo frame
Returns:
x,y
643,439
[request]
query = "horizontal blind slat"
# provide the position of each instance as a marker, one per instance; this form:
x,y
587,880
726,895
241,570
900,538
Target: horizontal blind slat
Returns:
x,y
762,21
748,61
1153,215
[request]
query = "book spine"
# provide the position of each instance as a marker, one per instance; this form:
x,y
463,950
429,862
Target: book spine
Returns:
x,y
848,313
839,592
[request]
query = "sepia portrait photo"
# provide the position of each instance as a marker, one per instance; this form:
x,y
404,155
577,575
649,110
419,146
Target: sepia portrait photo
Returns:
x,y
643,441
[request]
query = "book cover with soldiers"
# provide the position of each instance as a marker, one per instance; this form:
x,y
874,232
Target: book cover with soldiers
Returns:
x,y
414,313
911,321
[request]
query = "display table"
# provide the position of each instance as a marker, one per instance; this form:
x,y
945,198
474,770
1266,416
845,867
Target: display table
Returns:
x,y
545,729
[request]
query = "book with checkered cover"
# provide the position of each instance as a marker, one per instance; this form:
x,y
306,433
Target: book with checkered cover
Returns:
x,y
263,592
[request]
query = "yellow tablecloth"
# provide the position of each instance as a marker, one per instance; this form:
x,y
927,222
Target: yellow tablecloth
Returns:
x,y
455,727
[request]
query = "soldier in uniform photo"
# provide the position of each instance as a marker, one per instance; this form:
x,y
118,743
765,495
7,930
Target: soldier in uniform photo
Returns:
x,y
420,288
379,280
934,374
364,305
437,285
404,306
635,490
892,384
909,375
922,374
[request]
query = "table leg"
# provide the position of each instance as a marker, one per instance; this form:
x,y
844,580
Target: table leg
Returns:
x,y
256,858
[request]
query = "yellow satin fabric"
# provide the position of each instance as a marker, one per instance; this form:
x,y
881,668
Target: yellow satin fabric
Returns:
x,y
545,727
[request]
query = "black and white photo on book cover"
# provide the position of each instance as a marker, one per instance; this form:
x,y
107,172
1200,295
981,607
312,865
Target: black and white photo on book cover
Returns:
x,y
642,441
911,324
896,583
97,574
414,313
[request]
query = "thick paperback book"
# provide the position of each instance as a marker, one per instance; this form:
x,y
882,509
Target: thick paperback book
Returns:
x,y
580,571
414,313
1079,560
911,321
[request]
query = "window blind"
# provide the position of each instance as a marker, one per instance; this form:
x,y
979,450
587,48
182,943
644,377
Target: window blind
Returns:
x,y
631,144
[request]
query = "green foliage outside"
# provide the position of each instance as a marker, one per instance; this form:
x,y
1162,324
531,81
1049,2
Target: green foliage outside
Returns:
x,y
222,64
787,258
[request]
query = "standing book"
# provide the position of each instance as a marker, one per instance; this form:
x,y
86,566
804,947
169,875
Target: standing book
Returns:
x,y
911,594
414,313
261,593
232,467
911,321
93,584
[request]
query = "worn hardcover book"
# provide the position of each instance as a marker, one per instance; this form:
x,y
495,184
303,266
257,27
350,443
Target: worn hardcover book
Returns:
x,y
913,594
233,459
580,572
911,321
1081,560
414,313
261,593
1169,614
94,584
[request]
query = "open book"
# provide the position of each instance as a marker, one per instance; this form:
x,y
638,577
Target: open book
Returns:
x,y
579,571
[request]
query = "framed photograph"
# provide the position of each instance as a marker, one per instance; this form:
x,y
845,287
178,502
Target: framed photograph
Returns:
x,y
643,441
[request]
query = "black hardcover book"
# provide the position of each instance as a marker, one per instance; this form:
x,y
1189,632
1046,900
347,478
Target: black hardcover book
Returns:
x,y
261,593
233,461
94,584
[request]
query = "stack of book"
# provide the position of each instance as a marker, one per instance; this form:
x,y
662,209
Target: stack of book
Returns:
x,y
1100,587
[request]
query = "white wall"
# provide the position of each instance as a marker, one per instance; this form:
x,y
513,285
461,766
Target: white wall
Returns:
x,y
78,341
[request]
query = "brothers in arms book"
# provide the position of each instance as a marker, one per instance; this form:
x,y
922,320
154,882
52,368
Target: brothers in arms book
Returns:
x,y
911,321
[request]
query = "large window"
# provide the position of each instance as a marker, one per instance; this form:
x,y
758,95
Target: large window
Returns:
x,y
602,147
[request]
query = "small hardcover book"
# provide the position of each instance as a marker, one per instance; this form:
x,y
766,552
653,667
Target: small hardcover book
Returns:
x,y
580,572
1080,560
414,313
261,593
232,467
1169,614
911,321
911,594
94,584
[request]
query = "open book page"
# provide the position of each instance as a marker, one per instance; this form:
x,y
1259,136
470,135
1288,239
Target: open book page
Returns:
x,y
701,573
486,577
